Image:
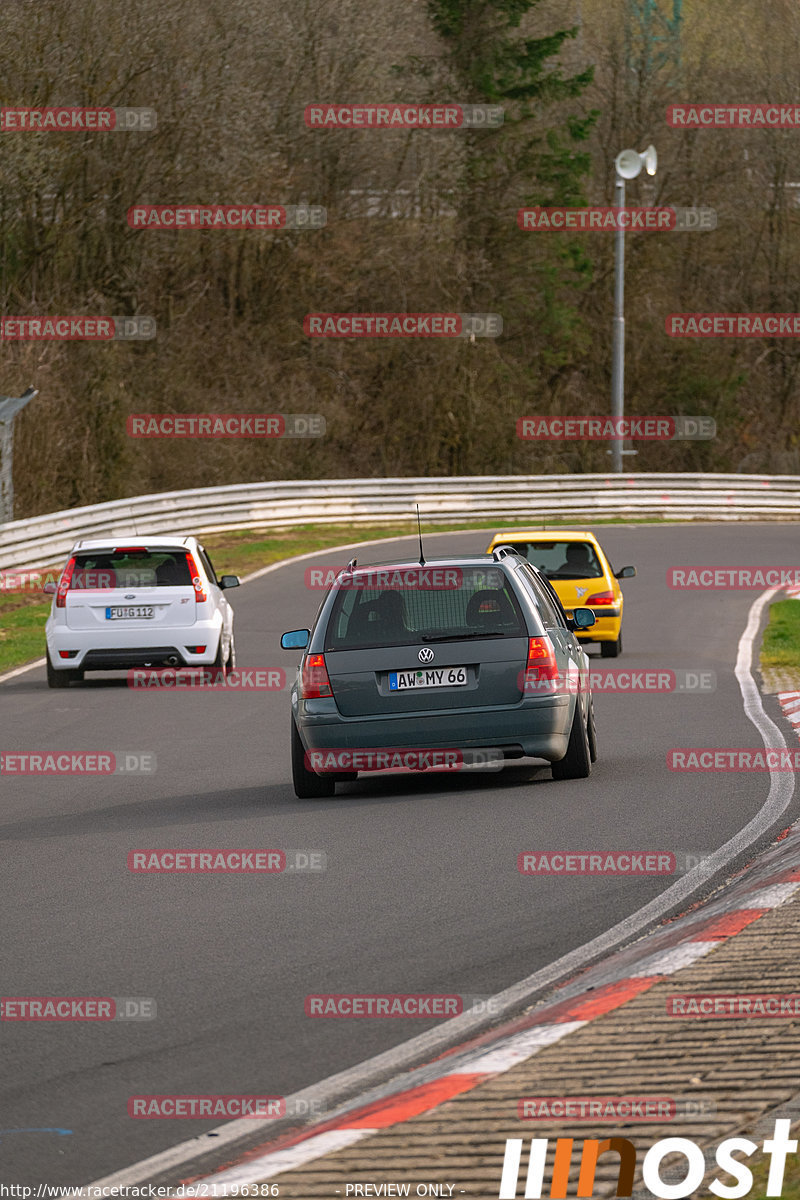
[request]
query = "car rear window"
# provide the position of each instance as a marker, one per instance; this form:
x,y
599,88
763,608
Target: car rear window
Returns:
x,y
561,560
130,569
473,601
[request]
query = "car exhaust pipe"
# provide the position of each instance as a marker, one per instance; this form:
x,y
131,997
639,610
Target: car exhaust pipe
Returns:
x,y
172,661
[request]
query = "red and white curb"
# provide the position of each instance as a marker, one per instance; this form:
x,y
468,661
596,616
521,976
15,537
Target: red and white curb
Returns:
x,y
790,703
649,961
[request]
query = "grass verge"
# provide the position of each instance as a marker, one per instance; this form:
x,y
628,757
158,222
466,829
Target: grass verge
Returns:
x,y
781,643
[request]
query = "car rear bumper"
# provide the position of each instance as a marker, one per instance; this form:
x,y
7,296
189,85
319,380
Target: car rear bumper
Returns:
x,y
140,648
541,728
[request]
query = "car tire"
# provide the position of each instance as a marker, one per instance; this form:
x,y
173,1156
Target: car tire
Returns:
x,y
611,649
576,763
229,663
591,733
307,784
61,679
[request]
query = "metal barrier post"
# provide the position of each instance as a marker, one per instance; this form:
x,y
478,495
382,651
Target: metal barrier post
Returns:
x,y
9,407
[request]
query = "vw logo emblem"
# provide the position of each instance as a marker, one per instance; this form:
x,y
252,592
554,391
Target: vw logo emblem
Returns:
x,y
425,655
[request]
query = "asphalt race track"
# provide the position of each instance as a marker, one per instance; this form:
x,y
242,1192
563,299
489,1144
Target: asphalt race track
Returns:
x,y
421,894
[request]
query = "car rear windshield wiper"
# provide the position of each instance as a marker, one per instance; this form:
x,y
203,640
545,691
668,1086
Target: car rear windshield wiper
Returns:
x,y
458,637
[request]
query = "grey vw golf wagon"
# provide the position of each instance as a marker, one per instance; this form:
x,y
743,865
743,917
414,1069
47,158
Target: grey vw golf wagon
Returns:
x,y
449,655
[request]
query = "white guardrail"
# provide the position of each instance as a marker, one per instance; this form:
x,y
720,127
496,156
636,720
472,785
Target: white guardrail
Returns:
x,y
44,541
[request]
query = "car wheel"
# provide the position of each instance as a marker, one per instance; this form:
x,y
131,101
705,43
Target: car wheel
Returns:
x,y
232,655
611,649
307,784
220,664
576,763
591,733
61,679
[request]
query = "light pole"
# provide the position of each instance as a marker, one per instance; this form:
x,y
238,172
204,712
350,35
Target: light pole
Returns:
x,y
628,165
9,407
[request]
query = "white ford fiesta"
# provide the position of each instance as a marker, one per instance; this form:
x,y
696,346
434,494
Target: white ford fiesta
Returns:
x,y
155,604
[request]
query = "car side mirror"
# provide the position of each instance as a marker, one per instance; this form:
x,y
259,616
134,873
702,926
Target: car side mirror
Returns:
x,y
296,639
626,573
50,589
228,581
582,618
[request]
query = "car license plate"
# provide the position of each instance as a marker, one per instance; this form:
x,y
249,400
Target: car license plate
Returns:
x,y
137,612
429,677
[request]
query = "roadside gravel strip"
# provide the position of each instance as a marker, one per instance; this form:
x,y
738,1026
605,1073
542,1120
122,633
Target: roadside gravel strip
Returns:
x,y
373,1096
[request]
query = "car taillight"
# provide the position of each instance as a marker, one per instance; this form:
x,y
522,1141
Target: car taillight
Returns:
x,y
314,681
600,598
197,583
541,667
63,584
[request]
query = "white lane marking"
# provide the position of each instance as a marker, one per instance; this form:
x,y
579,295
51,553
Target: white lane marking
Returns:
x,y
670,961
769,897
40,662
509,1002
511,1051
278,1161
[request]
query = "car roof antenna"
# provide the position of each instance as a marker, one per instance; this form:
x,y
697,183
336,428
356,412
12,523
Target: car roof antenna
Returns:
x,y
419,531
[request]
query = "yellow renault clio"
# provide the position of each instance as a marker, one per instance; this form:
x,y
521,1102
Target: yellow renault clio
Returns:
x,y
581,575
